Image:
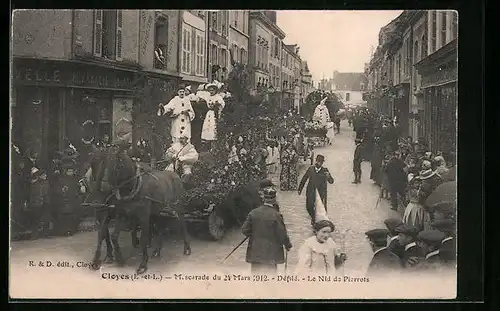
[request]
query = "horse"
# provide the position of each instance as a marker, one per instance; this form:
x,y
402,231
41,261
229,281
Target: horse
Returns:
x,y
139,196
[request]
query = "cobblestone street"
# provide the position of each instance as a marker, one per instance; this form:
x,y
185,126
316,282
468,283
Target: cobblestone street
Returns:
x,y
351,207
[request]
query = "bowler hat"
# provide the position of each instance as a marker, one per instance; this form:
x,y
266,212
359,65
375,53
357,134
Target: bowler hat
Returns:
x,y
320,158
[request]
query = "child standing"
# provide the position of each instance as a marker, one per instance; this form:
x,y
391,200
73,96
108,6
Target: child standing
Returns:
x,y
319,253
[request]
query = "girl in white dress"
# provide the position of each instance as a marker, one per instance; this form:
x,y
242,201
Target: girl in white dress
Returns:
x,y
319,254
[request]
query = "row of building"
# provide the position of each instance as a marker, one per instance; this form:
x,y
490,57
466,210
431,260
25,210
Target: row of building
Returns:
x,y
413,76
74,67
348,86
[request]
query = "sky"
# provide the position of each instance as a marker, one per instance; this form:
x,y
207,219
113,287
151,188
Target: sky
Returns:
x,y
334,40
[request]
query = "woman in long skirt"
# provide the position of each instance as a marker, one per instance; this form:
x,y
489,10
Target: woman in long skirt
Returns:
x,y
415,214
288,174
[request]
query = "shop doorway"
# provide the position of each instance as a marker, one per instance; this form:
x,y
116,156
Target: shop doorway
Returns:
x,y
36,122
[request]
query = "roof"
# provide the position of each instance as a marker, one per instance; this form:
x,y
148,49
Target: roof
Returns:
x,y
350,81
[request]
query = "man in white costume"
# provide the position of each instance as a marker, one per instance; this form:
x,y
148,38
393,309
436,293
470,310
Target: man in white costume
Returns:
x,y
181,155
180,110
215,104
321,113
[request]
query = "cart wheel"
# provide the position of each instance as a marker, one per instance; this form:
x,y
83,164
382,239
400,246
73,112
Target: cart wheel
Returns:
x,y
216,226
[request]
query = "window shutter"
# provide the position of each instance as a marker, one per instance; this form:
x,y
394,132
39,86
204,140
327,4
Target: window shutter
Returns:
x,y
119,34
98,33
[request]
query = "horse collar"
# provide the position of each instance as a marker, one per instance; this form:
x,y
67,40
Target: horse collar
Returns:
x,y
135,190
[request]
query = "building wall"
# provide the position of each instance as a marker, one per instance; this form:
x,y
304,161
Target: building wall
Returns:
x,y
354,96
258,29
42,33
130,43
146,39
196,25
239,34
287,65
419,52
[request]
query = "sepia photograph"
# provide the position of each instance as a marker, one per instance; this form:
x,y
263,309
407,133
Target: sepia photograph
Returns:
x,y
233,154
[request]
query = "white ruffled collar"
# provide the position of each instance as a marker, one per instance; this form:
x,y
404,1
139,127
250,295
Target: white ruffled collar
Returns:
x,y
320,248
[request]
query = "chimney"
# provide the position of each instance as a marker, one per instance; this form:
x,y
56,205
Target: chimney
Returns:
x,y
271,15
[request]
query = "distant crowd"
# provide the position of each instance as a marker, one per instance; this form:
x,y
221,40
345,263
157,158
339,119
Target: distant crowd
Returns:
x,y
408,173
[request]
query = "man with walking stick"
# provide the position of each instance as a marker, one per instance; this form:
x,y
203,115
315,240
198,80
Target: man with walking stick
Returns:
x,y
267,234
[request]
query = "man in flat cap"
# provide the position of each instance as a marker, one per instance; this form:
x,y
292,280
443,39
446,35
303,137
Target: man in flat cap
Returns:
x,y
429,242
384,261
318,176
407,236
393,237
267,235
448,249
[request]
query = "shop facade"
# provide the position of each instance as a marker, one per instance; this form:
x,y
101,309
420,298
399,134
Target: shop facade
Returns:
x,y
439,85
57,102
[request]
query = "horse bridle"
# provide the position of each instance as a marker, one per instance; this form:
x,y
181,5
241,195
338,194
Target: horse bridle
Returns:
x,y
137,185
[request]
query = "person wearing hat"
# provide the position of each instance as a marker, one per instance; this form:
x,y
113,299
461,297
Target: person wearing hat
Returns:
x,y
393,237
356,161
407,235
38,203
429,242
395,170
181,157
448,249
180,110
67,216
384,261
376,161
430,181
267,234
319,253
318,176
321,113
215,105
289,173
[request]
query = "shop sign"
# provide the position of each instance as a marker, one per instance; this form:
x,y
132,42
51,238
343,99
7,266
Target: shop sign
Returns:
x,y
440,76
80,76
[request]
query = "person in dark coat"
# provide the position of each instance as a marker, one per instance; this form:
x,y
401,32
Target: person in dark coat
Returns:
x,y
397,179
376,162
448,249
384,261
20,170
356,161
407,235
317,176
68,217
429,242
337,123
267,234
393,237
38,206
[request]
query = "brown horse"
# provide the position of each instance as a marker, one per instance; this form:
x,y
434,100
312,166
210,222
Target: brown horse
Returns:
x,y
138,196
